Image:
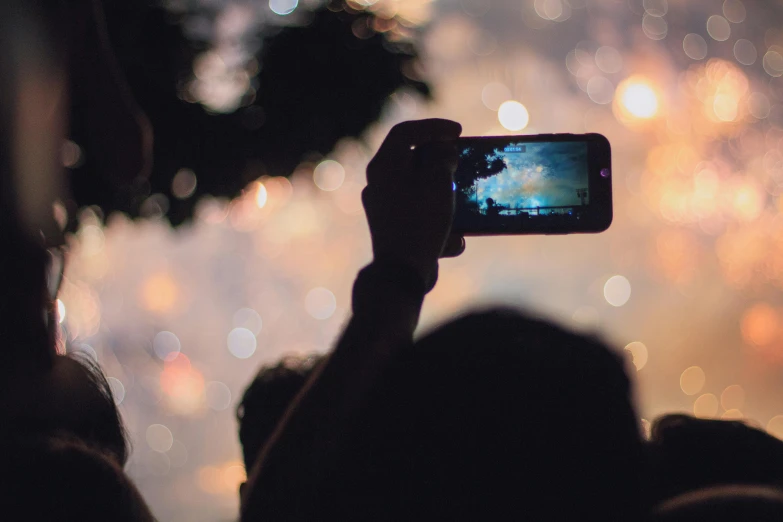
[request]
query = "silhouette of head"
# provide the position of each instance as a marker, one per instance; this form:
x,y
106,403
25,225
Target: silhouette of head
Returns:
x,y
490,202
73,398
266,399
731,503
61,478
687,453
496,416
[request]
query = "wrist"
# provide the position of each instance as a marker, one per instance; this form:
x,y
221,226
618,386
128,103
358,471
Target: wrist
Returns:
x,y
412,274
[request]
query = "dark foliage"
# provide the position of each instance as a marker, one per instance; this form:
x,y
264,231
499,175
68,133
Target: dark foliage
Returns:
x,y
318,83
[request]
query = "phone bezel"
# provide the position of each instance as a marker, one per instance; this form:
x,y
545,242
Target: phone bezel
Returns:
x,y
600,214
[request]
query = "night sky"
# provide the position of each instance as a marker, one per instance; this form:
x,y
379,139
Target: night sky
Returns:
x,y
546,174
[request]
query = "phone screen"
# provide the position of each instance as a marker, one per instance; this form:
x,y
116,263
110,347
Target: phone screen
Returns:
x,y
545,184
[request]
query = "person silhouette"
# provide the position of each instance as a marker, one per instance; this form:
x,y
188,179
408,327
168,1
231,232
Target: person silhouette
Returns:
x,y
476,421
492,208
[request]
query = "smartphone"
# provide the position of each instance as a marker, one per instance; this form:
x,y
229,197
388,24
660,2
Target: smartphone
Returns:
x,y
539,184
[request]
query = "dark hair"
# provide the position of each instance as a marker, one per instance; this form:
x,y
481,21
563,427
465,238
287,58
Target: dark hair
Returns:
x,y
74,399
62,478
266,400
686,453
495,415
104,426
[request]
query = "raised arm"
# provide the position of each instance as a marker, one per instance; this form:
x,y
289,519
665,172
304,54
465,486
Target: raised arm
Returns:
x,y
409,204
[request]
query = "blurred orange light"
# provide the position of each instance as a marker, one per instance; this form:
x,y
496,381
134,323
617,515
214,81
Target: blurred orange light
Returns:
x,y
182,385
760,325
159,293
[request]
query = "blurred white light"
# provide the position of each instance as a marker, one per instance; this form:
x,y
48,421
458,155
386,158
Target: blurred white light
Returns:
x,y
60,311
218,395
261,195
617,290
117,390
247,318
159,438
513,115
320,303
638,99
283,7
241,343
329,175
166,345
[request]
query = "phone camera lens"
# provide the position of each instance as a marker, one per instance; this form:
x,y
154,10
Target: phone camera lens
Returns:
x,y
604,173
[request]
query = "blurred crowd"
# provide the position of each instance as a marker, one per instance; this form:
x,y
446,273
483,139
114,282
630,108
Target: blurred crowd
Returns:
x,y
473,420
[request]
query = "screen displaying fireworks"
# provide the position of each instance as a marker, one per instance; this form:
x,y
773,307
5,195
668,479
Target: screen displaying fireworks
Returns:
x,y
538,178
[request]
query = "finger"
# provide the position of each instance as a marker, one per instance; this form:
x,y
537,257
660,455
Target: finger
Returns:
x,y
455,246
410,134
436,156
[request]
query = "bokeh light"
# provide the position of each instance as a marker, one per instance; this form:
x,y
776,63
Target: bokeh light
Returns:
x,y
695,46
183,185
241,343
513,115
159,438
60,311
745,52
247,318
494,94
732,415
117,389
775,426
733,397
639,354
165,345
261,195
734,11
705,406
218,395
159,293
283,7
636,98
617,290
718,28
692,380
329,175
178,454
320,303
760,324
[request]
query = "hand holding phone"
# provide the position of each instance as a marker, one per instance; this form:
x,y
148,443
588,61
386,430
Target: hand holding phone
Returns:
x,y
544,184
408,199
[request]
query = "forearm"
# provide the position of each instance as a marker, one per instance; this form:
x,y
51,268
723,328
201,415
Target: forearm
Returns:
x,y
387,299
